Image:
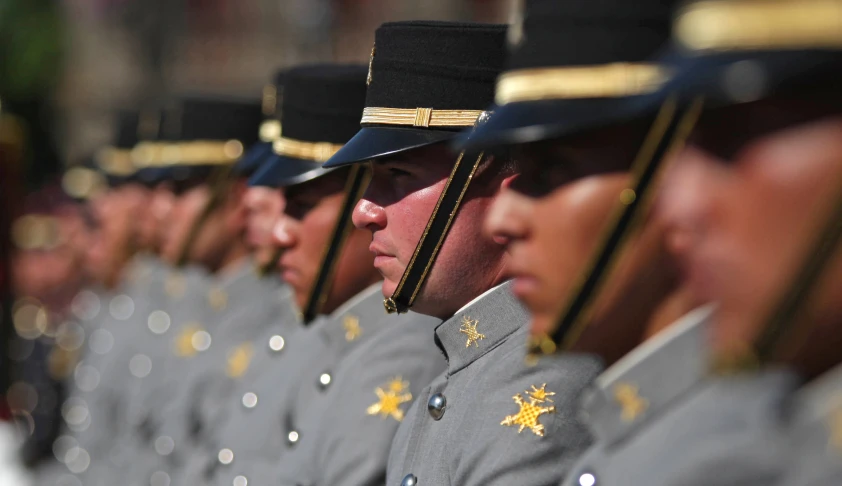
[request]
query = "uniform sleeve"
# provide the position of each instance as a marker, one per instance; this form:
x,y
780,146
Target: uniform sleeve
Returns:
x,y
498,454
356,426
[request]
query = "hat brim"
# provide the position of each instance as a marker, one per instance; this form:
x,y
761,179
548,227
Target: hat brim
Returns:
x,y
282,171
378,142
725,78
533,121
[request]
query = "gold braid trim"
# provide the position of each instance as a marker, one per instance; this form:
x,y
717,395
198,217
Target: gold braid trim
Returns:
x,y
200,152
420,117
559,83
299,149
760,25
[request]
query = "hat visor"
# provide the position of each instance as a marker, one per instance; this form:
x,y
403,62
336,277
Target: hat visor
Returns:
x,y
282,171
726,78
533,121
256,155
378,142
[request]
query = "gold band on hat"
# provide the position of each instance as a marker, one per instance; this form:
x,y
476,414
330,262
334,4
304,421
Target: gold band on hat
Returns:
x,y
200,152
558,83
760,25
116,162
270,130
420,117
299,149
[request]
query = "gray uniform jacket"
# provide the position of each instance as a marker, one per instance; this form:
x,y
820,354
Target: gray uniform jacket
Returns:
x,y
347,427
491,419
636,393
815,436
181,409
266,424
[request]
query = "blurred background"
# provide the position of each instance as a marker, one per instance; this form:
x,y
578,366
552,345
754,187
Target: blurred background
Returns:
x,y
66,68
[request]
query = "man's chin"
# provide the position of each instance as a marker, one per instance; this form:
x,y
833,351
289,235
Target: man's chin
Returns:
x,y
388,287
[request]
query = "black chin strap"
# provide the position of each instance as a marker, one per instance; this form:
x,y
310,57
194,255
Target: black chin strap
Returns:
x,y
671,128
434,234
219,182
354,188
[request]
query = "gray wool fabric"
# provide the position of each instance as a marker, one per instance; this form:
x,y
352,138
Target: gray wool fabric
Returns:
x,y
487,384
348,427
815,433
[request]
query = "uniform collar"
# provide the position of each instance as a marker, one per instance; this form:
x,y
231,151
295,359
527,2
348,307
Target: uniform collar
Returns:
x,y
821,399
356,318
480,326
648,379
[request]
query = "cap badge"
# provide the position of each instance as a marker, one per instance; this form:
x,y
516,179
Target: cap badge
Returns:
x,y
351,324
370,63
531,411
390,398
631,404
239,360
469,328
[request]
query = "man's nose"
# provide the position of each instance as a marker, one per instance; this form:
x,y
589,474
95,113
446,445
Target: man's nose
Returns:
x,y
368,215
283,234
508,218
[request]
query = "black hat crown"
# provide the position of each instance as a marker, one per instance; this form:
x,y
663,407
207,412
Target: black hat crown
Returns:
x,y
320,112
323,102
428,67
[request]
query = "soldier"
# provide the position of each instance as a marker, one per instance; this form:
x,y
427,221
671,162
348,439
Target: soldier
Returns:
x,y
753,207
210,342
575,117
490,418
328,267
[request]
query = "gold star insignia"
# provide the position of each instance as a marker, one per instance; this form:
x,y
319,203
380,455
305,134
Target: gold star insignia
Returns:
x,y
469,328
390,399
239,360
184,346
352,327
530,411
631,403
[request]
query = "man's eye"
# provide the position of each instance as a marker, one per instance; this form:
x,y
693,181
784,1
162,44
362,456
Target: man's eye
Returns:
x,y
395,172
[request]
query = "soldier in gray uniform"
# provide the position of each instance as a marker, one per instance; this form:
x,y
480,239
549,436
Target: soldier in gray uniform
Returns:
x,y
327,265
576,135
734,208
490,418
210,342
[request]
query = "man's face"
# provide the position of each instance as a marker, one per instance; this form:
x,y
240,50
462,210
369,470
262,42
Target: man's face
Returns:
x,y
304,231
553,216
115,210
216,234
264,206
396,207
744,201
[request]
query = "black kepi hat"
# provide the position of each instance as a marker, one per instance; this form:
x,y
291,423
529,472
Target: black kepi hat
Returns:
x,y
270,128
574,65
426,82
321,112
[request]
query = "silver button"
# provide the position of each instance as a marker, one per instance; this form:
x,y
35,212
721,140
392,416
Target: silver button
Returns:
x,y
240,481
587,479
409,480
293,437
225,456
324,380
276,343
250,400
436,406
